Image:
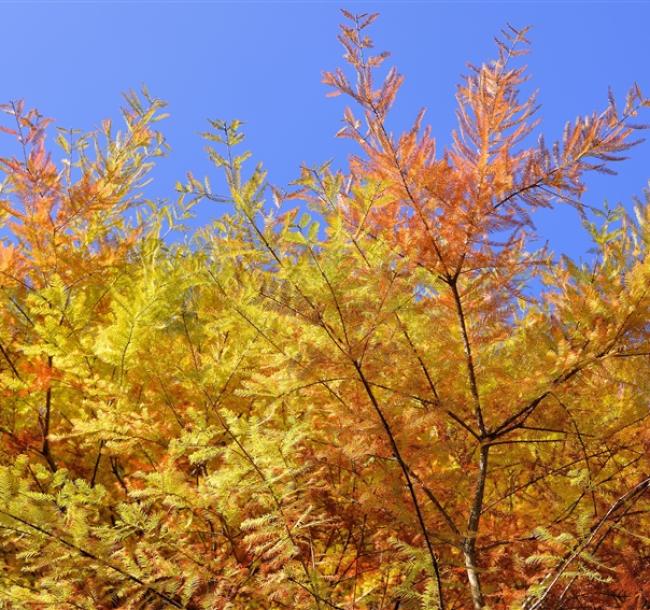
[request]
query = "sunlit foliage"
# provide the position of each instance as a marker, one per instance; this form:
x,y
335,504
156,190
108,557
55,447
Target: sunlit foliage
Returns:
x,y
365,391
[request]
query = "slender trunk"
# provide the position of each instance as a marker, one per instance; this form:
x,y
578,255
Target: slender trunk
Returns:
x,y
469,544
471,371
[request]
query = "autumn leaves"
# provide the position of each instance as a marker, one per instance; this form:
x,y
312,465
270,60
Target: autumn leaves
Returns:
x,y
357,404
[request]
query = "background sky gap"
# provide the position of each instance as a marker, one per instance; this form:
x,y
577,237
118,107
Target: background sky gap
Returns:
x,y
262,62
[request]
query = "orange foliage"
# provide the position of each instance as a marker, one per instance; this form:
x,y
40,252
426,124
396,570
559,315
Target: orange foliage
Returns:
x,y
389,401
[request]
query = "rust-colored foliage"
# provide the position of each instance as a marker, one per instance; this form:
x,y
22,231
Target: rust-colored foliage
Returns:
x,y
358,403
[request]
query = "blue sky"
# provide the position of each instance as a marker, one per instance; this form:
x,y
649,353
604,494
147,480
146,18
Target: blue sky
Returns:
x,y
262,62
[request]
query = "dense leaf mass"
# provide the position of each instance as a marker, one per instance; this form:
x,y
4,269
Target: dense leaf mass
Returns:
x,y
371,393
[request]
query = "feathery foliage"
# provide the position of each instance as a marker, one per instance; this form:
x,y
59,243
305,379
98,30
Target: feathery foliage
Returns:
x,y
351,402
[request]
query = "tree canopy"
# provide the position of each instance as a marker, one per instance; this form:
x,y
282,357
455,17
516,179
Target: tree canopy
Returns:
x,y
368,390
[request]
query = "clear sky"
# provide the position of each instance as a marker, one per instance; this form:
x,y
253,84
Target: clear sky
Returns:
x,y
262,61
